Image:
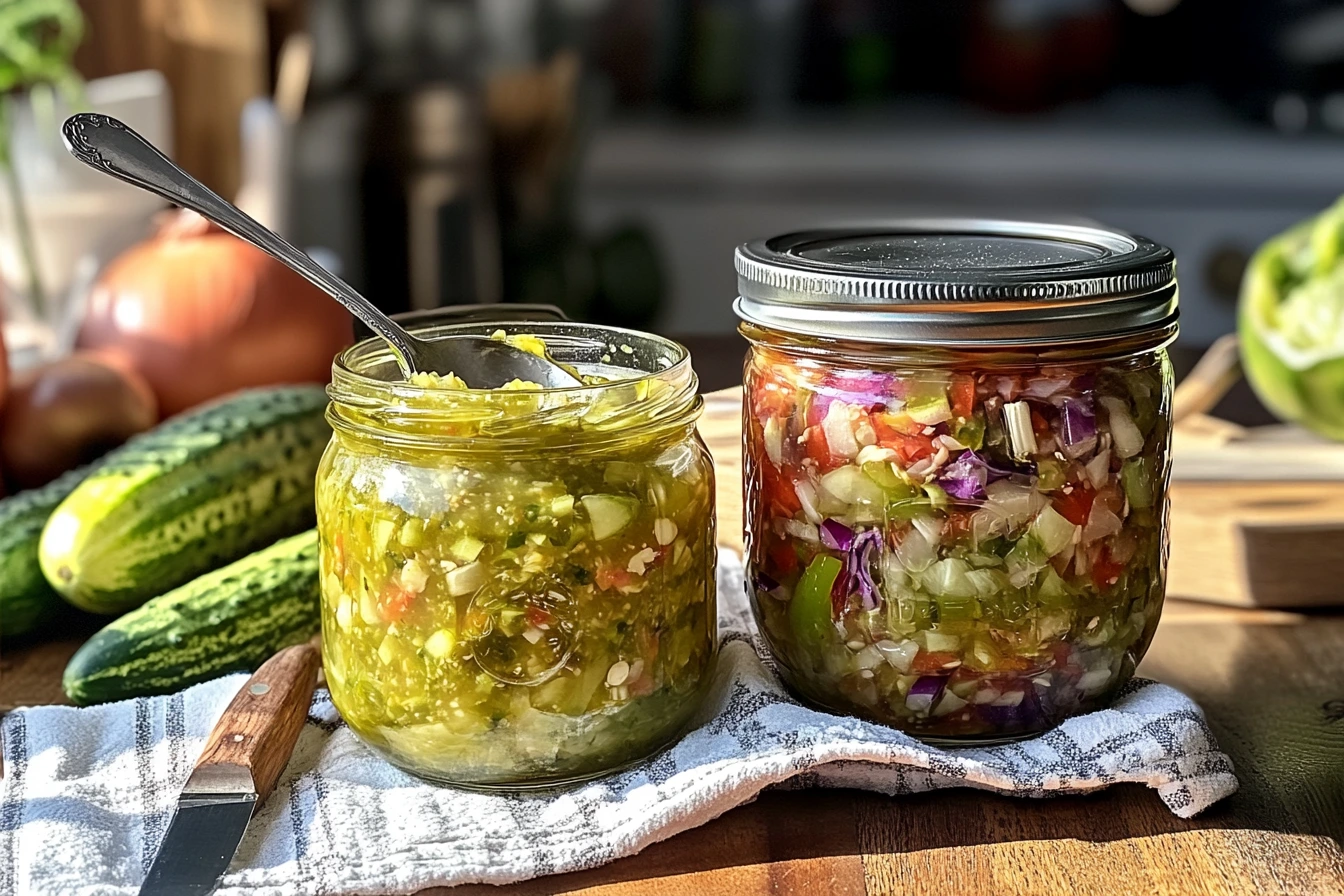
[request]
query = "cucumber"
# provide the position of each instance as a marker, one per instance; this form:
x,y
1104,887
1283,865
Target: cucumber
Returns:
x,y
229,620
201,490
609,514
27,601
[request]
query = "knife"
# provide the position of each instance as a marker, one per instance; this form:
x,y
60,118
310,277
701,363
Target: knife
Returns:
x,y
247,751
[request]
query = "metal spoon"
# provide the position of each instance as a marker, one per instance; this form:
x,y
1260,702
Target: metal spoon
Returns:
x,y
111,147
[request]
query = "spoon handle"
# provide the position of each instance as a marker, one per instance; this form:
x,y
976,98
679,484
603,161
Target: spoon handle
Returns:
x,y
108,145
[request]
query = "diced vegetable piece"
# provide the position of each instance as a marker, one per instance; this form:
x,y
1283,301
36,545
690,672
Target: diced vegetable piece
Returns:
x,y
929,410
1053,531
810,609
1127,438
440,644
1137,480
466,549
836,535
924,693
839,431
1017,422
774,440
851,486
899,656
465,579
948,703
609,514
948,578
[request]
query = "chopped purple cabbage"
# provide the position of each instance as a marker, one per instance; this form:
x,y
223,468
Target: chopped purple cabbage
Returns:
x,y
836,535
966,477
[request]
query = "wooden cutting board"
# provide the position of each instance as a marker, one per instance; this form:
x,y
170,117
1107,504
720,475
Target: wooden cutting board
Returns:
x,y
1257,515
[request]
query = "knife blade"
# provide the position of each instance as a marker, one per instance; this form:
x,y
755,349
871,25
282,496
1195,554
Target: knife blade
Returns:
x,y
239,767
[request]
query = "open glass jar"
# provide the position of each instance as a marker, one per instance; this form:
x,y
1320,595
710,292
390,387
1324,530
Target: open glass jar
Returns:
x,y
956,447
518,586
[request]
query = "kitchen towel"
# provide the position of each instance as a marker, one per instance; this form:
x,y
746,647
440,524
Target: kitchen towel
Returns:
x,y
88,793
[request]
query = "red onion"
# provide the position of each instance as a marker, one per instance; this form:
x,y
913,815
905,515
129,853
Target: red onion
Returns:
x,y
836,535
924,694
966,477
1077,426
1023,716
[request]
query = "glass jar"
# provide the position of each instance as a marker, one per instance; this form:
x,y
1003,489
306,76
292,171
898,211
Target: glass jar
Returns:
x,y
518,586
957,440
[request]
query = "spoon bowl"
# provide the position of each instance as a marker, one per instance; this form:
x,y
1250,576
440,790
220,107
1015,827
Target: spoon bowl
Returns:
x,y
108,145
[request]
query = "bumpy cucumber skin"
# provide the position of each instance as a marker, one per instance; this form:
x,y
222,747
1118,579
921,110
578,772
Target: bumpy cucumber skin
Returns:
x,y
201,490
27,600
229,620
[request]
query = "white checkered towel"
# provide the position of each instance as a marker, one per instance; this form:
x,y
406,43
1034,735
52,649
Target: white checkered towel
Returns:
x,y
88,793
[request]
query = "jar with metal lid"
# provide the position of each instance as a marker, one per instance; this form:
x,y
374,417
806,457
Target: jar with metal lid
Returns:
x,y
518,584
956,445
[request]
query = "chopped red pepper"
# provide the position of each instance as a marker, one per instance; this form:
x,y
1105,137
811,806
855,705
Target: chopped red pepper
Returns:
x,y
1039,424
815,447
913,448
903,435
1076,504
772,398
778,491
958,525
932,662
538,616
618,577
1105,571
394,601
895,424
961,394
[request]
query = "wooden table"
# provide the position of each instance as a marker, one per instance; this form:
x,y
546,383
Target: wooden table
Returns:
x,y
1272,684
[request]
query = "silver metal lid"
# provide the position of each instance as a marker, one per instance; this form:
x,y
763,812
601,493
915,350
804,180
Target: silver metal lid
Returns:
x,y
958,282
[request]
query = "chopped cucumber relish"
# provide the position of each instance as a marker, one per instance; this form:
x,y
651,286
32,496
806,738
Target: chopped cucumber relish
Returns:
x,y
526,617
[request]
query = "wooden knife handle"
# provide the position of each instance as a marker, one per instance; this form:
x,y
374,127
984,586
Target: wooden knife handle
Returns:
x,y
261,725
1217,371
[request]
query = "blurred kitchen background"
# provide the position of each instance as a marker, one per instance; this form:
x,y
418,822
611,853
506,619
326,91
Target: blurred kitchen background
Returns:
x,y
607,155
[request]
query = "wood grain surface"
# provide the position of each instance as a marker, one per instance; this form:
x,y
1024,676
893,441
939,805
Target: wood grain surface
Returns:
x,y
1271,682
261,724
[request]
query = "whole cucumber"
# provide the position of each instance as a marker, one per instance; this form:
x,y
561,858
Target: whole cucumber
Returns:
x,y
229,620
27,600
201,490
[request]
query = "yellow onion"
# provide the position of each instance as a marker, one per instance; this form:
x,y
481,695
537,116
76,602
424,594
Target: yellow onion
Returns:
x,y
199,313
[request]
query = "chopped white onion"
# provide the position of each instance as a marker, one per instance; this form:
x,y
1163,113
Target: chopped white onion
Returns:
x,y
839,430
774,440
802,531
1098,468
807,496
1101,523
899,656
1128,440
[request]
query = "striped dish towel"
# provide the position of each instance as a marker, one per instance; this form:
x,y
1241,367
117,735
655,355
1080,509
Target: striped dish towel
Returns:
x,y
88,793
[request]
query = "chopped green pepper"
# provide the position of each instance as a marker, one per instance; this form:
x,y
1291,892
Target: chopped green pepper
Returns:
x,y
810,609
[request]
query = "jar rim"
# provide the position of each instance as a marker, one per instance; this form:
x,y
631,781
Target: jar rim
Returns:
x,y
958,282
368,394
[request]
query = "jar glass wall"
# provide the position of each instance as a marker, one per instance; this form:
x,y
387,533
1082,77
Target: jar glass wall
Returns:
x,y
964,545
518,586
